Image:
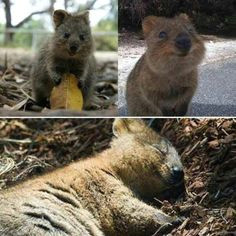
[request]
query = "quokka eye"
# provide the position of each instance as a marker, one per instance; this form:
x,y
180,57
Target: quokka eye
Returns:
x,y
82,37
158,149
66,35
191,30
162,147
162,35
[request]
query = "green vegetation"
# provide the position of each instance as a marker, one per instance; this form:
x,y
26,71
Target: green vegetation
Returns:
x,y
1,34
210,16
106,42
22,38
110,24
25,39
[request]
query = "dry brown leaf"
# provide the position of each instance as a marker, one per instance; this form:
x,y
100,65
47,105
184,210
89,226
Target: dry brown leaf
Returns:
x,y
19,124
188,129
204,231
213,144
227,124
67,95
230,213
197,185
228,139
193,123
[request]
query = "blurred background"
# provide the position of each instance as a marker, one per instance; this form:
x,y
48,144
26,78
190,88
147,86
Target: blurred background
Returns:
x,y
209,16
25,23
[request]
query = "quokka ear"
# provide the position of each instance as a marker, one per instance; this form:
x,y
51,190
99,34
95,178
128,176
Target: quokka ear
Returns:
x,y
85,16
59,16
124,126
184,16
148,24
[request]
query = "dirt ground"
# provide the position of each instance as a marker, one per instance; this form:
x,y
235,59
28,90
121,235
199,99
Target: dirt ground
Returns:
x,y
15,86
30,147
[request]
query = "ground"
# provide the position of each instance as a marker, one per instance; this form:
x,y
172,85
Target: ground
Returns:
x,y
207,147
15,86
216,94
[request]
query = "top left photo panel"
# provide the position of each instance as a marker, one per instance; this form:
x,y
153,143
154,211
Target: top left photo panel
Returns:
x,y
58,58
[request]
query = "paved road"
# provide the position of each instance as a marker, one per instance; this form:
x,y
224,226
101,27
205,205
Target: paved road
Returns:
x,y
216,94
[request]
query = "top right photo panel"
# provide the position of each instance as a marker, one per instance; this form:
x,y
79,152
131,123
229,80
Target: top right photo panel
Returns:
x,y
177,58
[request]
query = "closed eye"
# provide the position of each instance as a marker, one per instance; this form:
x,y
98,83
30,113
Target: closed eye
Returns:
x,y
158,149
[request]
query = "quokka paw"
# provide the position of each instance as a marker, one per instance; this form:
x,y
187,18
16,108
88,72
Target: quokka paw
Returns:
x,y
80,84
56,79
168,226
177,221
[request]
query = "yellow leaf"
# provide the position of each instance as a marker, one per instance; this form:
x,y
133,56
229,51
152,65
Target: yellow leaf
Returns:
x,y
67,95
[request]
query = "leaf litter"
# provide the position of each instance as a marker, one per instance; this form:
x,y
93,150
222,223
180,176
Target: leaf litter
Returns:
x,y
15,85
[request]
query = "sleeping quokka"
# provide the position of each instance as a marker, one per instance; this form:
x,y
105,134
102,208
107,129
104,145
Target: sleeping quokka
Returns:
x,y
101,195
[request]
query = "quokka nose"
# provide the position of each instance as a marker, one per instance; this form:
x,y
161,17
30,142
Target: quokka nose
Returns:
x,y
183,42
177,174
73,48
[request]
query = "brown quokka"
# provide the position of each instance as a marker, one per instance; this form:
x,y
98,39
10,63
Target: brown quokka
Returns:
x,y
102,195
69,50
165,78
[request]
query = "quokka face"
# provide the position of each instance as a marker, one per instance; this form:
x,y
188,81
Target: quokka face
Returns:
x,y
72,36
173,44
152,162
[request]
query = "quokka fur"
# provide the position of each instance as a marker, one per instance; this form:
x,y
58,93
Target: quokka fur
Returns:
x,y
101,195
164,80
69,50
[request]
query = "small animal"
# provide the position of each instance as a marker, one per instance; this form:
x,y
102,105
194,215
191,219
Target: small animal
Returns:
x,y
101,195
69,50
165,78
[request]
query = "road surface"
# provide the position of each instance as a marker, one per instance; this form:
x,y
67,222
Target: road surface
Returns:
x,y
216,94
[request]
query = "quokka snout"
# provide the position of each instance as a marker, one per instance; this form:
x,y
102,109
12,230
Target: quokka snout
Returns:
x,y
101,195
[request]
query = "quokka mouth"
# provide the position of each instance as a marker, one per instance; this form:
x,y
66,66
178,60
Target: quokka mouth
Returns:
x,y
169,182
174,191
72,53
183,54
175,184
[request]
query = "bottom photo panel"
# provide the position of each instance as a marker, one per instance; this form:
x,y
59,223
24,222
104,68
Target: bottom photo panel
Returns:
x,y
117,177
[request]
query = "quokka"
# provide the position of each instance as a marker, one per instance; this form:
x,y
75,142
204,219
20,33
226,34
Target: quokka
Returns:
x,y
69,50
101,195
165,78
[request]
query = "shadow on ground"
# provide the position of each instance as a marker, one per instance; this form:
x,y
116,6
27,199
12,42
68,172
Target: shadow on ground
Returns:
x,y
199,109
